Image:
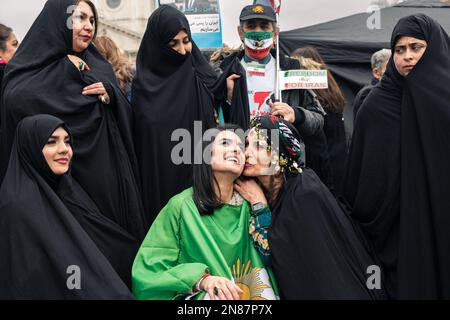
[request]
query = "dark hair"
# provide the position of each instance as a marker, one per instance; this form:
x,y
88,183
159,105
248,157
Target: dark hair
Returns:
x,y
94,11
204,181
332,99
5,33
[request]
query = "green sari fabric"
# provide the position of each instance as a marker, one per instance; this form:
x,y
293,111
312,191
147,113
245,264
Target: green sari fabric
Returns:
x,y
182,245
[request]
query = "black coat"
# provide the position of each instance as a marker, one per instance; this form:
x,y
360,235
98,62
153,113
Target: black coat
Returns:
x,y
2,70
361,96
337,148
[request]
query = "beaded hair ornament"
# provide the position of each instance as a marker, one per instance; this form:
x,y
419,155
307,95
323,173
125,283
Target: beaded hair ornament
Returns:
x,y
286,157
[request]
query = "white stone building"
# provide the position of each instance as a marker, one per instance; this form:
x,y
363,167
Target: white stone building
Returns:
x,y
124,21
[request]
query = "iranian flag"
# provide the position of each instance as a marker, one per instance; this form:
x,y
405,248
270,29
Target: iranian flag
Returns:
x,y
276,4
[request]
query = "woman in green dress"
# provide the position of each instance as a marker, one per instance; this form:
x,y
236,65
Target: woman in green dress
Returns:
x,y
199,246
315,249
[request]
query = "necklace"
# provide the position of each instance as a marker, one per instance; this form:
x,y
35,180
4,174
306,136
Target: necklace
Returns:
x,y
236,199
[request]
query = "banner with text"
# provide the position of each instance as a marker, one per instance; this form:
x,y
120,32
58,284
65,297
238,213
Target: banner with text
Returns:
x,y
303,79
204,19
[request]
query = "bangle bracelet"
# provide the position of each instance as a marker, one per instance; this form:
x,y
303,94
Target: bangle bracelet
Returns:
x,y
197,286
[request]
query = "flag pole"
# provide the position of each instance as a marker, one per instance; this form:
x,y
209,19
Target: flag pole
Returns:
x,y
278,96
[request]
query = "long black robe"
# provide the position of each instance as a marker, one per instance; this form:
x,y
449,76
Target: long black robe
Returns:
x,y
398,175
41,79
116,244
425,180
317,251
40,239
170,92
372,180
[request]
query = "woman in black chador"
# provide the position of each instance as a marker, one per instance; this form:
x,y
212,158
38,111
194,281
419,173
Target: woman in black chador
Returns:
x,y
54,243
398,175
170,92
313,246
58,71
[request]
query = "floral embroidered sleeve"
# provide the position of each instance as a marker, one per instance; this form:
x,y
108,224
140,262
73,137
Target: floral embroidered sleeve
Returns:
x,y
259,226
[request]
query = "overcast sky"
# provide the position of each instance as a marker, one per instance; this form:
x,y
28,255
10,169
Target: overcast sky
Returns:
x,y
20,14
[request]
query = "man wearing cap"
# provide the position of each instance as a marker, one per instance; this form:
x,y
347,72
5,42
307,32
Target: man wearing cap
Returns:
x,y
257,30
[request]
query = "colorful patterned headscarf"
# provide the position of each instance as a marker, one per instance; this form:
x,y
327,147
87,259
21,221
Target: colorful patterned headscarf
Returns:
x,y
288,149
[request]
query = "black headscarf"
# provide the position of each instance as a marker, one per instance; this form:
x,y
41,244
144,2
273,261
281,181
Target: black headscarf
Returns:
x,y
39,237
317,251
398,171
41,79
170,91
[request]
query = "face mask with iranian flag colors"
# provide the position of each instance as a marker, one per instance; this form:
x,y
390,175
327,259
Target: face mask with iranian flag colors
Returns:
x,y
258,44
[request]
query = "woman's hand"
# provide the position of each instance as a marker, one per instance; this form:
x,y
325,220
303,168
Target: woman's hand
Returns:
x,y
97,89
94,89
221,287
78,62
250,191
230,85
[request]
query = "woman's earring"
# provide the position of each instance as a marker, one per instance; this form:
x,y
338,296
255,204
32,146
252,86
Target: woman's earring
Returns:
x,y
275,165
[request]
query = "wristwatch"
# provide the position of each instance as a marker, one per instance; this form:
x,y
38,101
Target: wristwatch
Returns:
x,y
258,206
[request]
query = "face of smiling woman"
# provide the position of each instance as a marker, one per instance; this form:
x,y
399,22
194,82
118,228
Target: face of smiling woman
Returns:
x,y
407,53
58,151
228,154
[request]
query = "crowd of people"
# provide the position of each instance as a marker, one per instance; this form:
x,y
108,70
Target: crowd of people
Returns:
x,y
93,177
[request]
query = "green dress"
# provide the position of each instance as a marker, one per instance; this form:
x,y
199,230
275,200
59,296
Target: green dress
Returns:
x,y
182,245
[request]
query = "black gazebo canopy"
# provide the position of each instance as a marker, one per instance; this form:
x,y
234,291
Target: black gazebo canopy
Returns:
x,y
347,44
